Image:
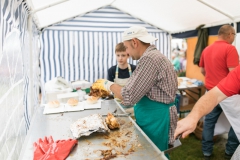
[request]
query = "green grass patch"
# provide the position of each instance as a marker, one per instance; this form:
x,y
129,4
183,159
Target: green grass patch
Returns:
x,y
191,149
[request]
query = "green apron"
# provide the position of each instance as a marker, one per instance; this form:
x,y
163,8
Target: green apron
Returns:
x,y
154,119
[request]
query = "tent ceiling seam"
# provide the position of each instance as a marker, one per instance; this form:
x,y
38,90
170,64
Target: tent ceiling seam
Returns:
x,y
141,19
65,19
210,6
48,6
35,17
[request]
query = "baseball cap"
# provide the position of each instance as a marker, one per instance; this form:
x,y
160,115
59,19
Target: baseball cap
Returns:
x,y
138,32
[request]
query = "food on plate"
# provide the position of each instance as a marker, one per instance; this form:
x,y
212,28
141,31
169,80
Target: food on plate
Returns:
x,y
112,121
72,102
180,79
92,100
97,90
189,83
53,104
179,83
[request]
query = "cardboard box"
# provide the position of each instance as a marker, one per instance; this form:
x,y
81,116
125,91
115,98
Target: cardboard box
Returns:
x,y
184,100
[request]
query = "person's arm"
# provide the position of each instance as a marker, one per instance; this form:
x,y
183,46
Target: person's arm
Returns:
x,y
203,71
232,58
139,83
203,106
116,89
142,80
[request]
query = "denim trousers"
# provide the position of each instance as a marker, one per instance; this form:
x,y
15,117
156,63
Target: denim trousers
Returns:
x,y
208,131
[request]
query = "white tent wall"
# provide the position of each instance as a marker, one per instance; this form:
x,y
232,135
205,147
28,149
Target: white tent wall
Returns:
x,y
171,15
16,108
83,48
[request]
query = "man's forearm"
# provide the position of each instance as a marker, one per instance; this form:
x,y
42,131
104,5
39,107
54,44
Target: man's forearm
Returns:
x,y
206,103
116,89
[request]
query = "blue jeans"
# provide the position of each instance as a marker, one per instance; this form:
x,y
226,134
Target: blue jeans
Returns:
x,y
208,131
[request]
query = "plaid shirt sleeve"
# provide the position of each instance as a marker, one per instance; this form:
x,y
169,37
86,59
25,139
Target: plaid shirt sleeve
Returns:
x,y
173,124
141,82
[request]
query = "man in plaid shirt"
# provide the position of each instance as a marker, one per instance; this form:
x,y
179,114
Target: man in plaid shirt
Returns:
x,y
152,87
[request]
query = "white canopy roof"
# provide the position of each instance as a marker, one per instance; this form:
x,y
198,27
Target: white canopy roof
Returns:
x,y
172,16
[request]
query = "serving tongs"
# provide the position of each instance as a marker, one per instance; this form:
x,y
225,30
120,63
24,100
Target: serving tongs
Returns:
x,y
118,114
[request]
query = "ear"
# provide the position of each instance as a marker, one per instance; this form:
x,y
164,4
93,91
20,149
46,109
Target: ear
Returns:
x,y
135,42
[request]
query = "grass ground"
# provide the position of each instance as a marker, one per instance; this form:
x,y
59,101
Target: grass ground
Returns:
x,y
191,149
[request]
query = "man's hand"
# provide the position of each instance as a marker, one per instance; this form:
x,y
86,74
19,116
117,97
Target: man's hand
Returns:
x,y
185,127
102,84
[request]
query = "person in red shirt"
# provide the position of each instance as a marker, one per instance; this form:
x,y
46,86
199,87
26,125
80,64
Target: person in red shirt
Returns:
x,y
217,60
227,87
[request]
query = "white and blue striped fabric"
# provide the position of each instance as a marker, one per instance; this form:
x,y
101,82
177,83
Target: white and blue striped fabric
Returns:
x,y
83,48
15,111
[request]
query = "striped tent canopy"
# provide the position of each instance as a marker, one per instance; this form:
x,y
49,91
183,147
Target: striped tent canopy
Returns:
x,y
82,48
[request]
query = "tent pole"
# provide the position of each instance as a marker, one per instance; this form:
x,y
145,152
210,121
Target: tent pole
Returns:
x,y
30,93
48,6
35,18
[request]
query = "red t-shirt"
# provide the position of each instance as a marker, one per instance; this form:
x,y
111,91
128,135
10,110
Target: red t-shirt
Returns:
x,y
231,84
216,59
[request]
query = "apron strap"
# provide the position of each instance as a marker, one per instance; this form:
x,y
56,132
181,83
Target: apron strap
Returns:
x,y
129,70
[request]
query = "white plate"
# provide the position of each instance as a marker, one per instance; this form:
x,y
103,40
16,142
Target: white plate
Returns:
x,y
50,110
63,108
92,106
69,108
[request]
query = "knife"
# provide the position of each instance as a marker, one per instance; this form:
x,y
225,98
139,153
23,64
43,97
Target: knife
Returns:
x,y
176,144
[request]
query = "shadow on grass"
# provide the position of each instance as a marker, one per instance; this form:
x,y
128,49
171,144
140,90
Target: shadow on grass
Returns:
x,y
191,149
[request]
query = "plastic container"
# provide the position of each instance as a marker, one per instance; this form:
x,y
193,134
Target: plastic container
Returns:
x,y
52,95
81,95
81,85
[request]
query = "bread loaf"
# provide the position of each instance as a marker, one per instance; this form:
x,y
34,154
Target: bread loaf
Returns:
x,y
72,102
92,100
53,104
